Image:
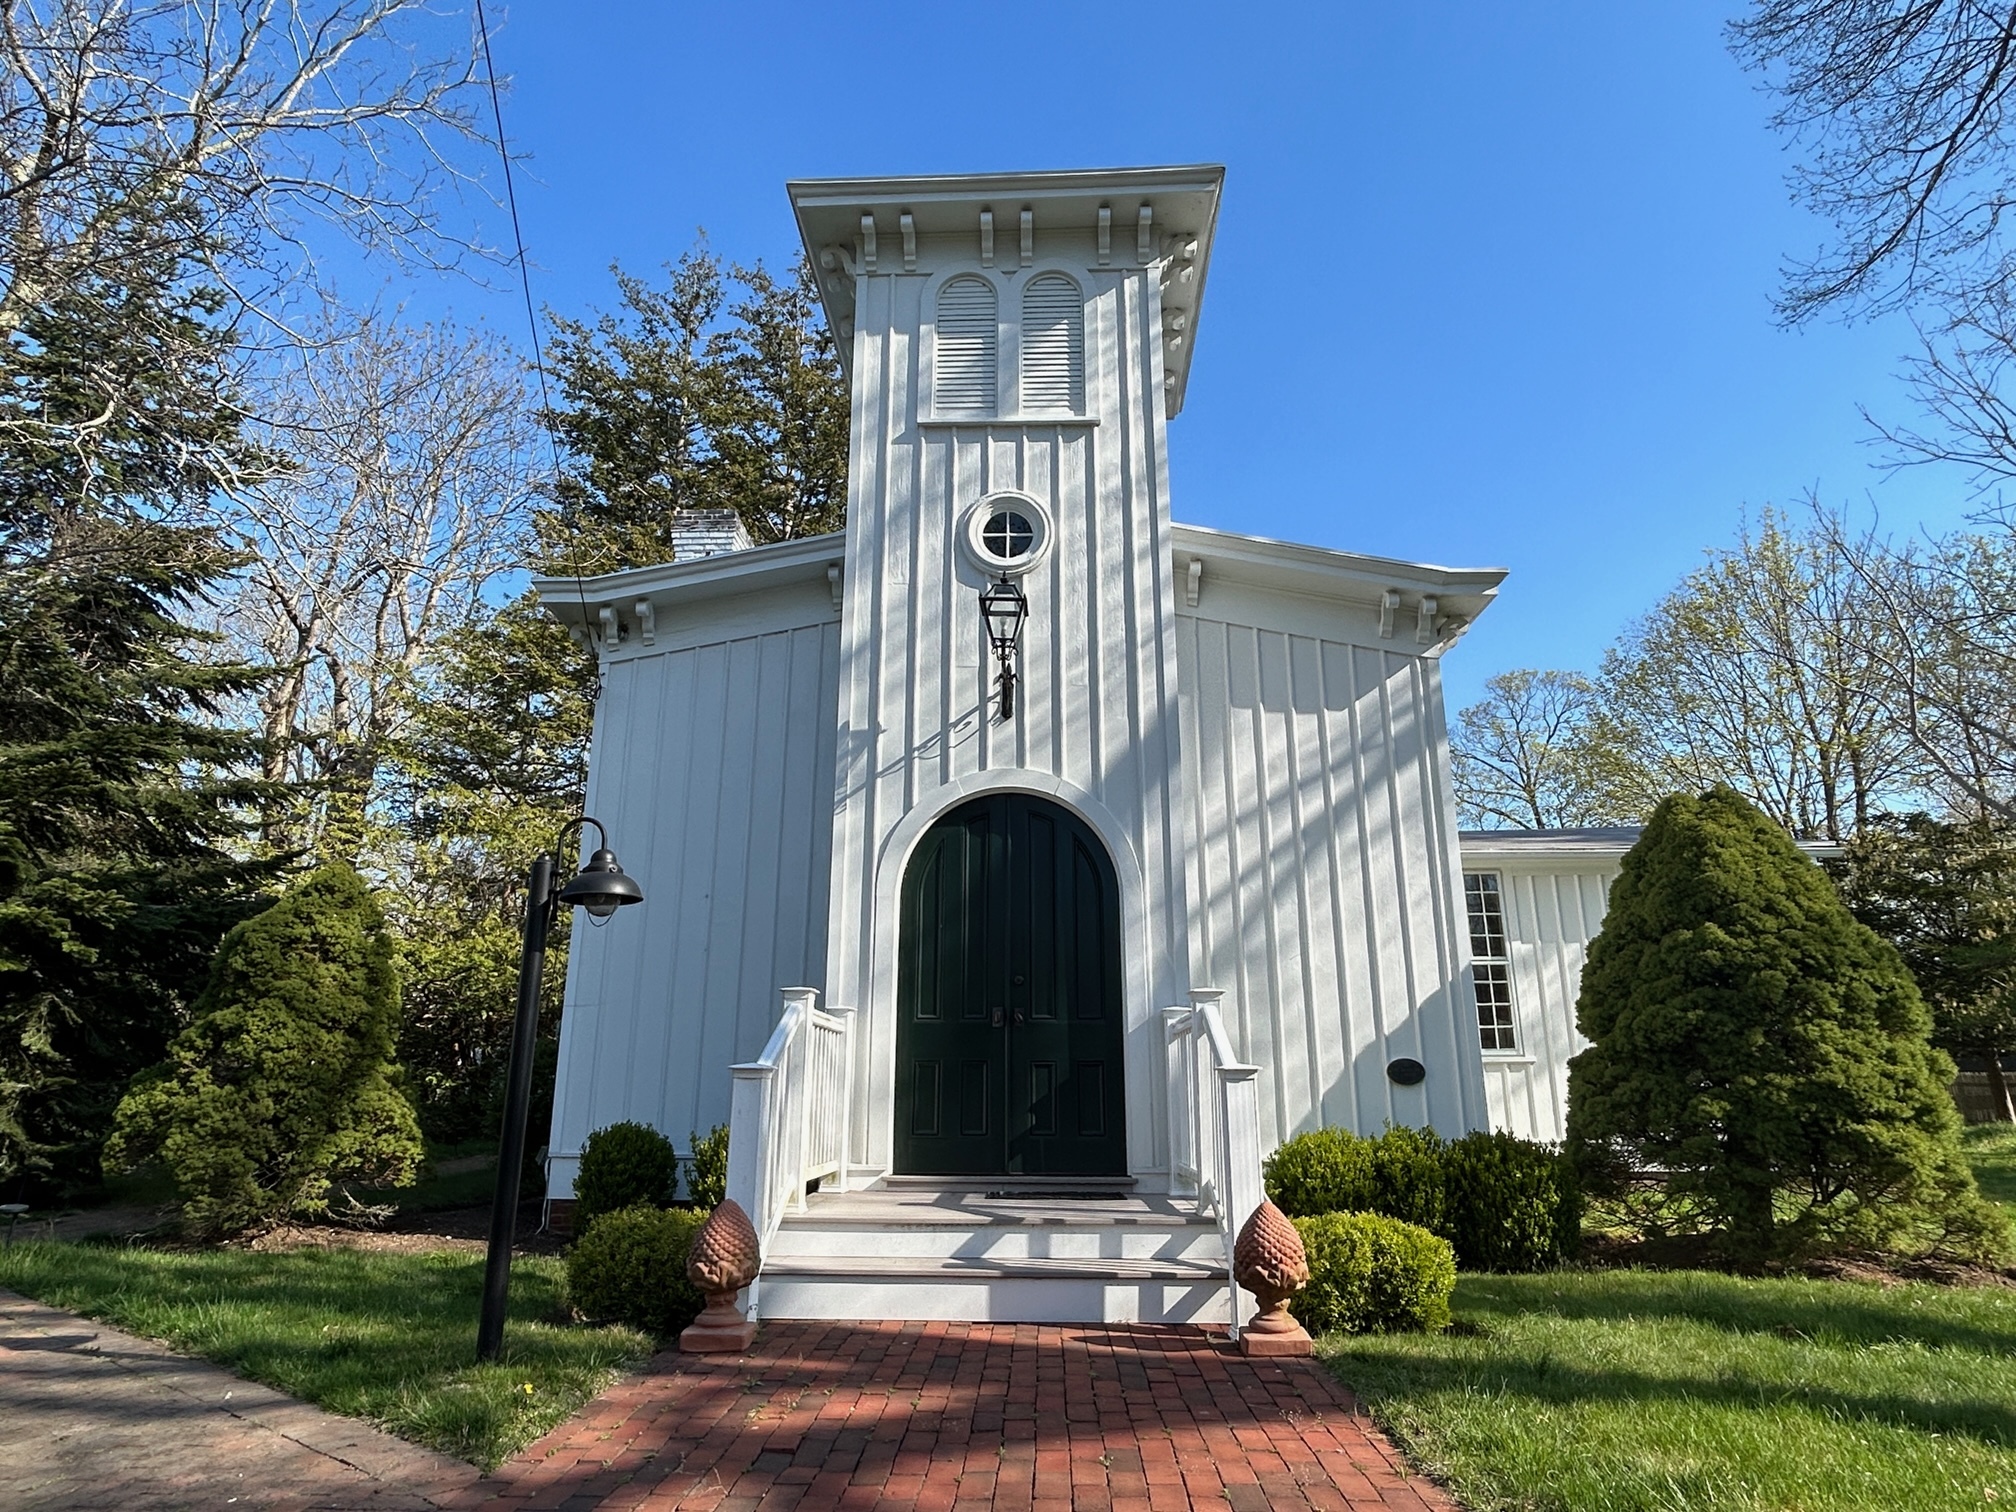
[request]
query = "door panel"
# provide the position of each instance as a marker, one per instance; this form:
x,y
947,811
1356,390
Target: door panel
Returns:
x,y
1009,1028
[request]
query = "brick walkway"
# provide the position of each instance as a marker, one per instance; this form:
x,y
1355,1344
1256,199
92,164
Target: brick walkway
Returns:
x,y
94,1418
956,1417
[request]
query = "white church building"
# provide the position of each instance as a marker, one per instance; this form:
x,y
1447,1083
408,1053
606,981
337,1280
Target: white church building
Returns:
x,y
1006,998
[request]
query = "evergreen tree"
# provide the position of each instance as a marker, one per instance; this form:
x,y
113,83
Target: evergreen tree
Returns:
x,y
1944,893
285,1082
683,399
1766,1053
119,775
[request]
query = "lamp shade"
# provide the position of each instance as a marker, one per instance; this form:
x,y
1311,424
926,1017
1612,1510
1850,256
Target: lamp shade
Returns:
x,y
1004,608
602,887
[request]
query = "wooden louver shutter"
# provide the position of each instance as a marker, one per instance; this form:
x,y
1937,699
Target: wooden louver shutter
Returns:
x,y
1053,345
963,380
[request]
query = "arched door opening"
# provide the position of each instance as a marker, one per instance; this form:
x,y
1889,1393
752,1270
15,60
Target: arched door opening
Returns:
x,y
1009,1031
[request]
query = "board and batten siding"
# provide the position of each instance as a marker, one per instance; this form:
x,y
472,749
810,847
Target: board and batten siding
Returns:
x,y
918,733
1324,890
1551,915
713,770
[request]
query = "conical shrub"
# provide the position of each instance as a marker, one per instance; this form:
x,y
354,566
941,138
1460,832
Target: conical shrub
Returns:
x,y
285,1082
1763,1056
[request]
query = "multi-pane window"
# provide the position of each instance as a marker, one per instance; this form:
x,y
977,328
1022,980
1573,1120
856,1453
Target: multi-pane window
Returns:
x,y
1490,960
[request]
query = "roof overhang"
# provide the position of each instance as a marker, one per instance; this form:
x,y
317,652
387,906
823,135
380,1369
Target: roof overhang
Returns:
x,y
1418,605
1604,845
1182,205
580,603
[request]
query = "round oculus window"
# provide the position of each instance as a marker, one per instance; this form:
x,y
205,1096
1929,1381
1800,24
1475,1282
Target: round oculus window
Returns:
x,y
1007,534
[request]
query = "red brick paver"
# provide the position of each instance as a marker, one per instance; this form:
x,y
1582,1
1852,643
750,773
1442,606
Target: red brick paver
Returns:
x,y
957,1417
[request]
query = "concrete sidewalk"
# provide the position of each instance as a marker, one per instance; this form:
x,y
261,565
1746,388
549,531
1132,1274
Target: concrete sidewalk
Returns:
x,y
96,1418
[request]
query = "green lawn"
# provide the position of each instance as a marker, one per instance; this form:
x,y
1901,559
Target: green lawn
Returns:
x,y
1628,1391
1991,1150
388,1337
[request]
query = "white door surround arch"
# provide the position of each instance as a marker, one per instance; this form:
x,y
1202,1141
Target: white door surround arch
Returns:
x,y
876,1013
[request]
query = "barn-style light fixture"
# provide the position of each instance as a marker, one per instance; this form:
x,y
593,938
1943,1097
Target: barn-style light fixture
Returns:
x,y
601,888
1003,608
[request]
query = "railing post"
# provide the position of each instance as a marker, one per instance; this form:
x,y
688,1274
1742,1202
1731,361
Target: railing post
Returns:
x,y
801,1002
747,1136
1239,1092
1204,1094
1177,1088
846,1017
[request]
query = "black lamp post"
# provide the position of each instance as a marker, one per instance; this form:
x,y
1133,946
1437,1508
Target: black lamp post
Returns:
x,y
1003,608
601,888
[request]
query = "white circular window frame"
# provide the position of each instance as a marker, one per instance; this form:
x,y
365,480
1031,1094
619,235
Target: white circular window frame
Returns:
x,y
1032,509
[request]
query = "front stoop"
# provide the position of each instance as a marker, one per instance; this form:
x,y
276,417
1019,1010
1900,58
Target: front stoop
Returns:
x,y
909,1252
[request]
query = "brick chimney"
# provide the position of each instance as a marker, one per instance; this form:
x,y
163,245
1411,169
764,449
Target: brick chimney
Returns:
x,y
700,533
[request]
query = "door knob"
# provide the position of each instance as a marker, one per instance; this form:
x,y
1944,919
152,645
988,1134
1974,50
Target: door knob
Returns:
x,y
997,1016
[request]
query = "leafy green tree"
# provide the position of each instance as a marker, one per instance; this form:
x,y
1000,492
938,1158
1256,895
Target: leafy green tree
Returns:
x,y
1764,1051
285,1082
1761,671
1529,755
690,398
1944,893
122,781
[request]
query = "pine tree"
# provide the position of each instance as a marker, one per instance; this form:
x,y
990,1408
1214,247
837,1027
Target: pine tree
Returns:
x,y
1766,1053
121,781
285,1083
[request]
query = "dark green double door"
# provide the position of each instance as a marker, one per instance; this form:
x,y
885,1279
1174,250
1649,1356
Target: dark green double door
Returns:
x,y
1009,1028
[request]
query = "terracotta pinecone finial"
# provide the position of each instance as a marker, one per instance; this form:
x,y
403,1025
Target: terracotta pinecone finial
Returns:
x,y
725,1257
1269,1262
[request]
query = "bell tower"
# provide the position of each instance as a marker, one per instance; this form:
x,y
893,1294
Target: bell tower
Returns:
x,y
1015,345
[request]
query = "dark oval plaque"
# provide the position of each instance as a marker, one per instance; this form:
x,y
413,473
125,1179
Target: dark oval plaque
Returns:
x,y
1407,1071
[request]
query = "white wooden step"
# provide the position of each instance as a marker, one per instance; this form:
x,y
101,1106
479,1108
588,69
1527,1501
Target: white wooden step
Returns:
x,y
976,1227
1025,1292
923,1250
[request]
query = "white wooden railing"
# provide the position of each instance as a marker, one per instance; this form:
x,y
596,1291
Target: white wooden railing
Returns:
x,y
1214,1125
792,1108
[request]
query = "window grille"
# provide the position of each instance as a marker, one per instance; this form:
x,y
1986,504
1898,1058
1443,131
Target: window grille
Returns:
x,y
963,377
1490,960
1053,345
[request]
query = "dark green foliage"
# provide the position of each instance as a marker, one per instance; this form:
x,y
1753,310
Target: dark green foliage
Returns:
x,y
686,400
630,1267
1512,1204
1944,893
1323,1171
1505,1203
1370,1274
707,1168
119,793
621,1166
285,1082
1764,1051
1407,1177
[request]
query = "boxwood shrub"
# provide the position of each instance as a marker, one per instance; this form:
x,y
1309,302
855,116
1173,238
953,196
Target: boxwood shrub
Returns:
x,y
630,1267
621,1166
1504,1203
1513,1205
707,1170
1369,1274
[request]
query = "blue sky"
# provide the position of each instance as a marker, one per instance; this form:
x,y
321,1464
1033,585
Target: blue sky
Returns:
x,y
1491,286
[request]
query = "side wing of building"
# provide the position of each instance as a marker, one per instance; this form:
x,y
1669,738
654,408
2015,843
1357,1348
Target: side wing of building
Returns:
x,y
712,767
1325,888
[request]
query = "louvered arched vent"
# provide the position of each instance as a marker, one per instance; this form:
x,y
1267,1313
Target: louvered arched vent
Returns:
x,y
963,380
1053,345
